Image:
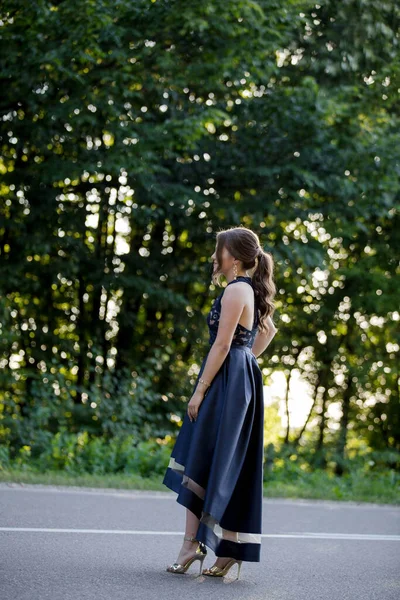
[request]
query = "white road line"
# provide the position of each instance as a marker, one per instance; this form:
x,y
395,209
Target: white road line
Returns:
x,y
300,535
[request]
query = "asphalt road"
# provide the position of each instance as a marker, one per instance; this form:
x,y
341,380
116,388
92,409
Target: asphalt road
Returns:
x,y
80,543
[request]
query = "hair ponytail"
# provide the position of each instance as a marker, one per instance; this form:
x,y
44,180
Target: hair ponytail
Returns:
x,y
264,287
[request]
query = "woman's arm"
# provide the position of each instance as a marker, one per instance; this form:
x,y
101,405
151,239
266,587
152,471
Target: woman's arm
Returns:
x,y
262,340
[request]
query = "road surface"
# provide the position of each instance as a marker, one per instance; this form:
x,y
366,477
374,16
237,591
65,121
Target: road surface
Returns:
x,y
64,543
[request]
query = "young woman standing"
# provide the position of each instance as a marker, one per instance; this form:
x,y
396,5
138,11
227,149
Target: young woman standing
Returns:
x,y
216,465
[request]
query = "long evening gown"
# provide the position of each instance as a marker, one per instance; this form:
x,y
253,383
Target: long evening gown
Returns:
x,y
216,465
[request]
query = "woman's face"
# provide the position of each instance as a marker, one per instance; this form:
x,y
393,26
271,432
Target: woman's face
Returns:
x,y
227,261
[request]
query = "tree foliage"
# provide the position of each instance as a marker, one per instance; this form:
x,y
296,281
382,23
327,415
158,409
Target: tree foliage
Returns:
x,y
130,133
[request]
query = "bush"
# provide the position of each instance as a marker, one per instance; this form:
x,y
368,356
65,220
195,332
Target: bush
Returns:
x,y
82,453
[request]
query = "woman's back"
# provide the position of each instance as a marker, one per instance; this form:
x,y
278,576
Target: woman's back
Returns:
x,y
242,336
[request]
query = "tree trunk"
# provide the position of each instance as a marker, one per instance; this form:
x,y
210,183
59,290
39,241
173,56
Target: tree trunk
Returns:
x,y
344,421
286,440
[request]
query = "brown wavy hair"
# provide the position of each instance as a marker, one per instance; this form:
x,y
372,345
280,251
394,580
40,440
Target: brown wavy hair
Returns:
x,y
244,245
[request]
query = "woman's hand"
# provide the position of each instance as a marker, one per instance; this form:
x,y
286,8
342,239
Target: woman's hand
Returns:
x,y
194,405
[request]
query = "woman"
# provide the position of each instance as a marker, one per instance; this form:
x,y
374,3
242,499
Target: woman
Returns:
x,y
216,465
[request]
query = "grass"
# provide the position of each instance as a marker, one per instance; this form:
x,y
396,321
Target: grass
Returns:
x,y
378,487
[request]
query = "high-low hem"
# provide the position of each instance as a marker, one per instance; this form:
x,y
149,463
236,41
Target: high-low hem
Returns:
x,y
206,532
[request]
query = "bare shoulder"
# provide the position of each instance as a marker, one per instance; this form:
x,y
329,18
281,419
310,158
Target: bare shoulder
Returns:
x,y
236,295
239,288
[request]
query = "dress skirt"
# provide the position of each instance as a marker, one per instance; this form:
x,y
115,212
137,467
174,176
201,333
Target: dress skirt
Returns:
x,y
216,465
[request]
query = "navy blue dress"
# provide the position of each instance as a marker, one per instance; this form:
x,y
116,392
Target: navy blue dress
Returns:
x,y
216,465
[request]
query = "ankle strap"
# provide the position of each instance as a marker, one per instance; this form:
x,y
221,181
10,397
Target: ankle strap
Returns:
x,y
190,539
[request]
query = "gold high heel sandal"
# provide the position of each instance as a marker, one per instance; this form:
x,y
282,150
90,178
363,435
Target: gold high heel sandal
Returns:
x,y
201,553
215,571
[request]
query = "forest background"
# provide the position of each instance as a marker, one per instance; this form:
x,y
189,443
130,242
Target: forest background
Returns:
x,y
131,132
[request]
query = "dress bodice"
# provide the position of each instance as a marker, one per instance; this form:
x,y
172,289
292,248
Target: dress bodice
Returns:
x,y
242,336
